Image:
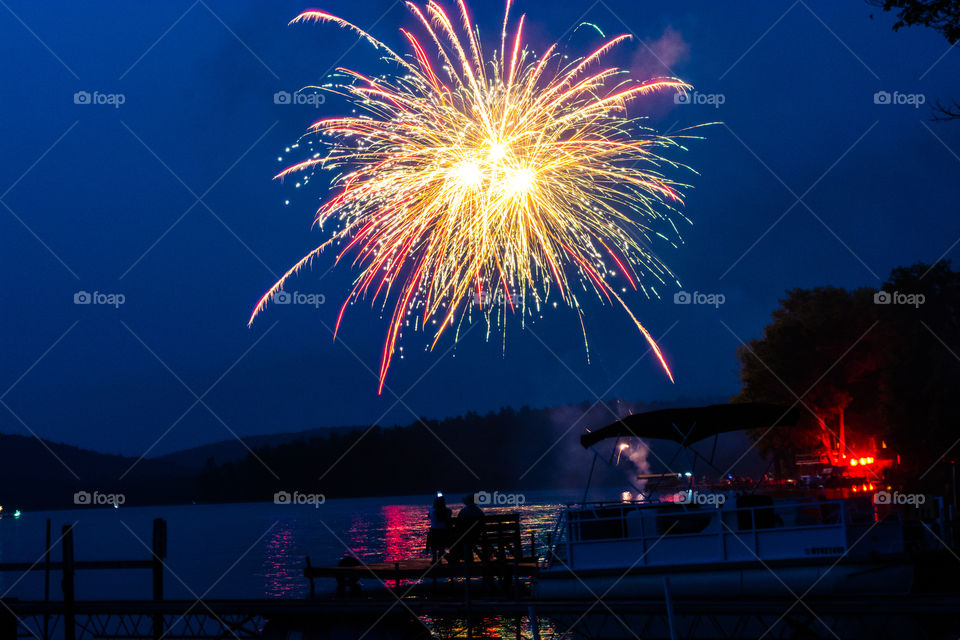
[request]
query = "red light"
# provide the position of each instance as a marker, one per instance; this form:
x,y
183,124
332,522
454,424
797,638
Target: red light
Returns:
x,y
853,463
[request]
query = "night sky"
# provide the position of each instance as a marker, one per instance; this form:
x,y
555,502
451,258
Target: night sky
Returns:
x,y
168,200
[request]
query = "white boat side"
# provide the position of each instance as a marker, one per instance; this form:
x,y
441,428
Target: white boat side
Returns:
x,y
745,546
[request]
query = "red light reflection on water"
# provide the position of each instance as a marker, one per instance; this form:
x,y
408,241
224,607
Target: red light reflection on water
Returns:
x,y
364,543
282,577
405,531
392,532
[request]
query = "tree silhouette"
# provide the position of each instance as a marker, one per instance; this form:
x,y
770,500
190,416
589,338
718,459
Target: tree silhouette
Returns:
x,y
890,359
943,16
819,353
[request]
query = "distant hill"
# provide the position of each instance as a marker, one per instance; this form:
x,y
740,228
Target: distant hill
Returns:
x,y
39,474
233,450
513,449
510,450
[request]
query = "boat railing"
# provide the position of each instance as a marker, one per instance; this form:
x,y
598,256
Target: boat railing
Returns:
x,y
656,499
556,540
602,533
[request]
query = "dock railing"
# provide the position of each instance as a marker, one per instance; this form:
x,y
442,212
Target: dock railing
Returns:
x,y
69,565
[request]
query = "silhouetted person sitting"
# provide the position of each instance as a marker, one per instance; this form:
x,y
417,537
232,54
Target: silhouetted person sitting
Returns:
x,y
468,527
348,582
438,537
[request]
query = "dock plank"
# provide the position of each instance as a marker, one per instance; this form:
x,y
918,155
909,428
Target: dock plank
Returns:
x,y
416,568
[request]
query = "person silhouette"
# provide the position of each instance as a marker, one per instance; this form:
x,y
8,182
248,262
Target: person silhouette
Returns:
x,y
438,536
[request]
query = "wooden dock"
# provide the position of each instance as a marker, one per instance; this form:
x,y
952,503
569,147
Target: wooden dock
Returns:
x,y
491,549
850,618
402,598
422,569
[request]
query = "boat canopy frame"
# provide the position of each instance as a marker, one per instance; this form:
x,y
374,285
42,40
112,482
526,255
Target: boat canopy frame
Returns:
x,y
687,426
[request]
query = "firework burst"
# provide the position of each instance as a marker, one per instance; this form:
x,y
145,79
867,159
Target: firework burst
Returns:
x,y
473,184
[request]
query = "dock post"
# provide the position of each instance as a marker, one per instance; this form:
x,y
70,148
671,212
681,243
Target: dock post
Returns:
x,y
46,582
396,567
8,623
669,602
46,565
313,589
159,553
466,586
69,621
534,622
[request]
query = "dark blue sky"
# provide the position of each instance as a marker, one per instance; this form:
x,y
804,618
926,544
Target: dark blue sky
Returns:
x,y
105,199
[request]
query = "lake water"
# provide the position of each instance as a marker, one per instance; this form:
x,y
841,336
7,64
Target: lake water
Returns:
x,y
249,550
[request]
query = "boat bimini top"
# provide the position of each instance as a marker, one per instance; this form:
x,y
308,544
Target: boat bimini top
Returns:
x,y
687,426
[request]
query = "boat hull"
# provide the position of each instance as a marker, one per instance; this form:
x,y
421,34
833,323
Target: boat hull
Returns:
x,y
819,576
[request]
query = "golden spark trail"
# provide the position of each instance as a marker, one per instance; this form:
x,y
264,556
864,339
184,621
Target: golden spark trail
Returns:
x,y
480,183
